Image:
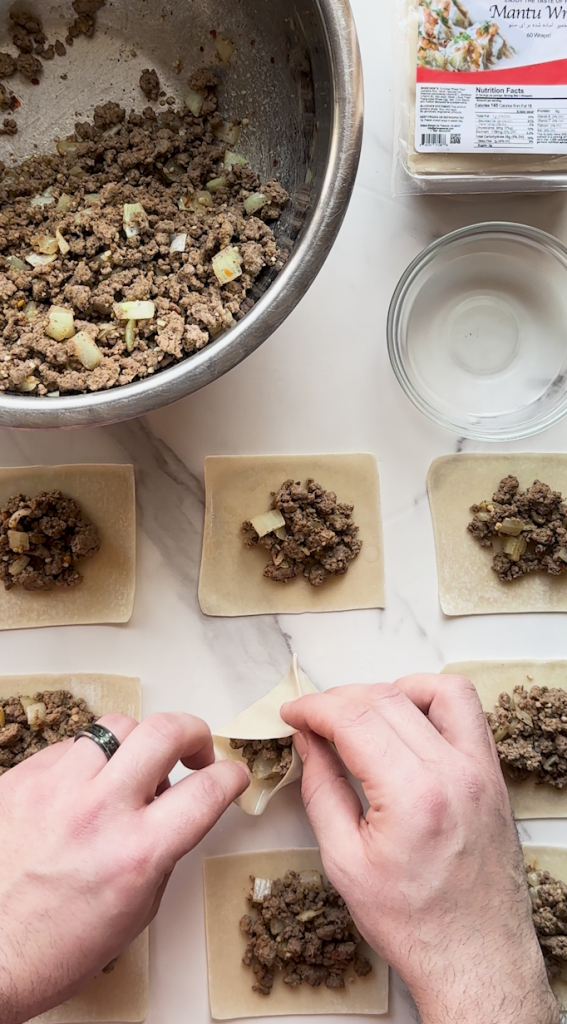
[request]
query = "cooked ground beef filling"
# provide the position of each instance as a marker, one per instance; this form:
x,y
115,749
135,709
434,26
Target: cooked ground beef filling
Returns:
x,y
42,539
266,759
300,926
549,906
319,539
530,730
532,526
145,237
28,724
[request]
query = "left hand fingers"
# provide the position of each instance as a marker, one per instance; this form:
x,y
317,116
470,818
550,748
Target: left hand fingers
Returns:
x,y
152,750
180,817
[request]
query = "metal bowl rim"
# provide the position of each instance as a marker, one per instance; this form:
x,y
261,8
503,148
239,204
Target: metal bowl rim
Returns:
x,y
281,296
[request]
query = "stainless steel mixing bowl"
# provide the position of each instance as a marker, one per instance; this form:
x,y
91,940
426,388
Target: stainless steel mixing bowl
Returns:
x,y
295,74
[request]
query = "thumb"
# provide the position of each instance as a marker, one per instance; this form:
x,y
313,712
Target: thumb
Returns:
x,y
183,815
332,806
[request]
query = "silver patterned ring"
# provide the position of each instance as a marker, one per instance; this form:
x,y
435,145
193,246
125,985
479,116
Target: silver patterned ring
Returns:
x,y
105,739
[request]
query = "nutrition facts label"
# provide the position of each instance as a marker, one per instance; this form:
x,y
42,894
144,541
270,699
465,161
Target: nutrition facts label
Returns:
x,y
506,119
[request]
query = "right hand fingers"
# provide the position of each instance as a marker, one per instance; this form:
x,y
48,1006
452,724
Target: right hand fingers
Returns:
x,y
371,750
332,806
453,706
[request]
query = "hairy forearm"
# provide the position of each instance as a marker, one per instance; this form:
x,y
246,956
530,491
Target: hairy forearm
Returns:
x,y
520,999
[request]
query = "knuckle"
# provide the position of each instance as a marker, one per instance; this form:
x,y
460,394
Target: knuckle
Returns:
x,y
213,790
166,727
118,723
356,715
462,685
434,804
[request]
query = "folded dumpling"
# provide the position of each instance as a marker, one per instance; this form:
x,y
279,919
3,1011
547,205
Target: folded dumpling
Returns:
x,y
260,737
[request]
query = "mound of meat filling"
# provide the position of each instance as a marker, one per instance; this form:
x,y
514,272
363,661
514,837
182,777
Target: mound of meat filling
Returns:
x,y
531,524
28,724
266,759
315,536
549,907
530,731
301,927
41,540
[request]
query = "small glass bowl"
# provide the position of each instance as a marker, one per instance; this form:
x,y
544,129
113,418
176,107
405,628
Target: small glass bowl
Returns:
x,y
477,331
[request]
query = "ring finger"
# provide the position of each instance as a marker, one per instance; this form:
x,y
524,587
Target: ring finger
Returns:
x,y
86,758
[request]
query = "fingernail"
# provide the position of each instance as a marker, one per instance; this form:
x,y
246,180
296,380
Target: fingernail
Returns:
x,y
301,744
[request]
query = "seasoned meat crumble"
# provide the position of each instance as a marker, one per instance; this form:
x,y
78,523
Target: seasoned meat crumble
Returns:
x,y
532,525
266,759
42,539
301,927
132,247
55,715
549,907
318,539
530,731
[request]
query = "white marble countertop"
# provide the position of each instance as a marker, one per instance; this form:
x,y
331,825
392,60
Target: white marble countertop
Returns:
x,y
215,667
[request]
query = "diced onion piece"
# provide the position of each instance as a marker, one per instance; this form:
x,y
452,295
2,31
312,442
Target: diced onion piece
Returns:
x,y
36,715
227,266
65,146
173,171
60,324
144,310
308,915
44,200
18,566
184,202
178,243
134,215
515,548
262,888
263,768
510,526
215,183
20,514
200,201
15,263
194,100
233,160
47,244
255,202
65,203
312,879
93,197
229,133
30,310
86,351
267,522
130,334
53,394
104,257
281,533
277,926
224,48
112,131
18,540
62,243
36,259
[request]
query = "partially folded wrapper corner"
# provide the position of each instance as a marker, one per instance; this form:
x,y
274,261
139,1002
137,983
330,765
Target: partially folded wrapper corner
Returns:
x,y
262,721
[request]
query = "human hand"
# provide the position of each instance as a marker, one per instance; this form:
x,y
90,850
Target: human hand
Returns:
x,y
87,849
433,872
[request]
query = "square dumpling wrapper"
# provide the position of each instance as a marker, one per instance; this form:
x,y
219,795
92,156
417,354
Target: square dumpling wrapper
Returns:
x,y
491,678
467,583
239,487
121,995
106,495
227,884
